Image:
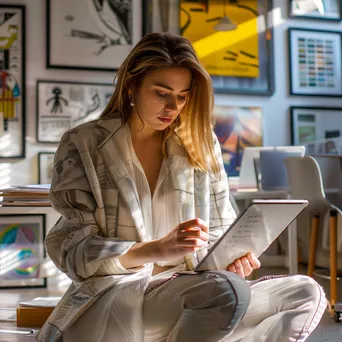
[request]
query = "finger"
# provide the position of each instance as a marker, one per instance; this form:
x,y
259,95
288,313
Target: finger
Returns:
x,y
247,268
199,233
239,268
197,222
254,261
231,268
190,242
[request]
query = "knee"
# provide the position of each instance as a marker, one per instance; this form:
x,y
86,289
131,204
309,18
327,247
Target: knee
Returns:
x,y
233,296
309,290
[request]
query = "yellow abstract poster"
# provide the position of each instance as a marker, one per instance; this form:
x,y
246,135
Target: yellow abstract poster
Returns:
x,y
224,34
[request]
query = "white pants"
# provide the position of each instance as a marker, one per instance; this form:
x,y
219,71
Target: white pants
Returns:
x,y
212,307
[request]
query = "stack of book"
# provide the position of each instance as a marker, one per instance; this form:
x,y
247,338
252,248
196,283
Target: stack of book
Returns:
x,y
34,313
27,195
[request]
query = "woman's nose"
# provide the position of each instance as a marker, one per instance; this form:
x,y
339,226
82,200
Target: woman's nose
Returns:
x,y
171,105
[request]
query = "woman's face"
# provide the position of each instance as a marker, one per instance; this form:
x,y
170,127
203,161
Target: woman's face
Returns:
x,y
161,96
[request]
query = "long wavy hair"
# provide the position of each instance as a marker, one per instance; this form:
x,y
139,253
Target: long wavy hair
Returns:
x,y
193,127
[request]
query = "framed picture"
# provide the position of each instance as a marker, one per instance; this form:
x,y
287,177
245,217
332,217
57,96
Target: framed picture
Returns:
x,y
313,9
233,40
315,62
96,35
64,105
237,128
12,81
22,250
45,166
161,16
317,128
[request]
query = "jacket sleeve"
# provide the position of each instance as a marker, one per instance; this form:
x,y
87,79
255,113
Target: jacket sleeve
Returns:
x,y
75,244
222,213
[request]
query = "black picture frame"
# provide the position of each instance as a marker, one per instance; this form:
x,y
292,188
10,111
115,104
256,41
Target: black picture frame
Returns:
x,y
261,86
78,36
307,75
12,65
45,164
314,127
23,228
87,102
314,16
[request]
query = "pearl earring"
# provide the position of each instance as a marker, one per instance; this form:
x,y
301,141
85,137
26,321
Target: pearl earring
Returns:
x,y
131,103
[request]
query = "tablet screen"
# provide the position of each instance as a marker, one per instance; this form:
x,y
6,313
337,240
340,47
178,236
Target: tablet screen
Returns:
x,y
253,231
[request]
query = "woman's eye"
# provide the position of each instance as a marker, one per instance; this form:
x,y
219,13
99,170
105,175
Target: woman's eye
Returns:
x,y
181,98
161,94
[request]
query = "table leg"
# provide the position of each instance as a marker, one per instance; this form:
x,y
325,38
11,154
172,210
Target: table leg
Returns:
x,y
293,251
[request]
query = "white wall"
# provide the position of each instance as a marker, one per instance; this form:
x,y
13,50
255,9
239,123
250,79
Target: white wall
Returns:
x,y
275,108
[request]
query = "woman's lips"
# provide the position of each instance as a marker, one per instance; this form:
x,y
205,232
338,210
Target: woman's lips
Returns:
x,y
165,120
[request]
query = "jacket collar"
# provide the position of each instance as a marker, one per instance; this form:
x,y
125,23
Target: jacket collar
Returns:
x,y
116,156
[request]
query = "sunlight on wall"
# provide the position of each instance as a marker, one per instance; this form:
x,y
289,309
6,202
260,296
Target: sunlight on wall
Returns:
x,y
5,175
5,142
276,17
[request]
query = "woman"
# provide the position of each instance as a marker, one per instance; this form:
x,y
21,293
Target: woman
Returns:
x,y
140,191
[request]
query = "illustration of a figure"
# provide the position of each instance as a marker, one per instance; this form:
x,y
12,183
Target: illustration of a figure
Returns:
x,y
57,100
7,41
90,110
9,97
113,18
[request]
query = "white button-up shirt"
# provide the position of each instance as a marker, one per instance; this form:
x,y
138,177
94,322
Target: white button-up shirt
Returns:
x,y
160,211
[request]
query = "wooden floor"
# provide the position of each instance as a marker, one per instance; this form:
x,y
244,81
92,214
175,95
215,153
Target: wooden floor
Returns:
x,y
327,331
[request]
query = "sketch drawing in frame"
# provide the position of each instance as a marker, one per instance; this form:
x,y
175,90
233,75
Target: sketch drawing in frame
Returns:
x,y
161,16
45,167
22,249
315,62
317,128
313,9
237,128
12,81
91,34
234,41
64,105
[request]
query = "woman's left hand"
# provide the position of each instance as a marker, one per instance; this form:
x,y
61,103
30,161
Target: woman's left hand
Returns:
x,y
245,265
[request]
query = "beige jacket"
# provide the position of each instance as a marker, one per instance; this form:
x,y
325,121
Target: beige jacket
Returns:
x,y
89,175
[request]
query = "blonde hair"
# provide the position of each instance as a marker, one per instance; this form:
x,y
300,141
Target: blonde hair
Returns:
x,y
193,128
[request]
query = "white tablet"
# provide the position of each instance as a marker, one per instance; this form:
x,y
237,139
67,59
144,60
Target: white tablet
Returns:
x,y
252,231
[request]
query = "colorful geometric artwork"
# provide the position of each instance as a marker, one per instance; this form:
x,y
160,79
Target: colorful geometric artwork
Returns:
x,y
315,58
237,128
12,81
21,250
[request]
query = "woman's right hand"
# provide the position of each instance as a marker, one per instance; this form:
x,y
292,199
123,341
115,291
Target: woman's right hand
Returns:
x,y
187,237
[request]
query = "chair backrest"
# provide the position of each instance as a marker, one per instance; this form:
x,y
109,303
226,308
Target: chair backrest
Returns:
x,y
247,176
305,181
273,169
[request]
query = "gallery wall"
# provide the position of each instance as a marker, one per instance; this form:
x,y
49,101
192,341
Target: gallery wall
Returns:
x,y
275,108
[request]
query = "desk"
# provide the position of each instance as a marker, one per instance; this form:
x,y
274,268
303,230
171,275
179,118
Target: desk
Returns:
x,y
247,195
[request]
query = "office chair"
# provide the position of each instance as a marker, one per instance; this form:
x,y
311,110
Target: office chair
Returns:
x,y
305,182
